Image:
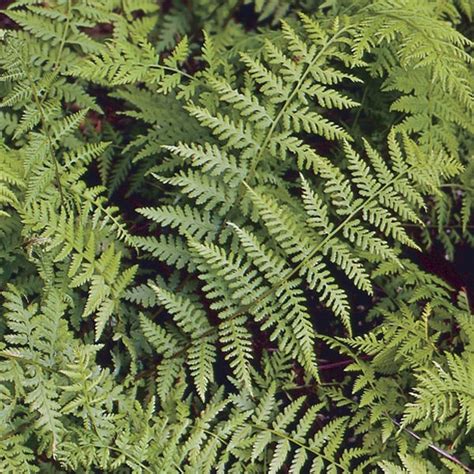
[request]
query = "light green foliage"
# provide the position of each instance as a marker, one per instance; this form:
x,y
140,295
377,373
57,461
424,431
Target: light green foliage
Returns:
x,y
435,399
201,203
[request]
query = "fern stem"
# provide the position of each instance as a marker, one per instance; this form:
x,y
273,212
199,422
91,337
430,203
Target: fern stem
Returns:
x,y
287,103
44,126
335,365
223,441
172,69
297,443
434,226
126,454
435,448
7,355
64,35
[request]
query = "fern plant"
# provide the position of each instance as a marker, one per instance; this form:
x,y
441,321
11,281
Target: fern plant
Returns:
x,y
211,217
304,234
413,384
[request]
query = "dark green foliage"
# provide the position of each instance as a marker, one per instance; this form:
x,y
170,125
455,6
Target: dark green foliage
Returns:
x,y
211,215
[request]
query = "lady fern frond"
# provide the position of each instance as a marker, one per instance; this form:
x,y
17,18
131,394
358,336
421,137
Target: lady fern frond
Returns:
x,y
215,224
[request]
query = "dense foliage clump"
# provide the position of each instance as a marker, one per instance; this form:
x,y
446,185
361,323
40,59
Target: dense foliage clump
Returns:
x,y
214,218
